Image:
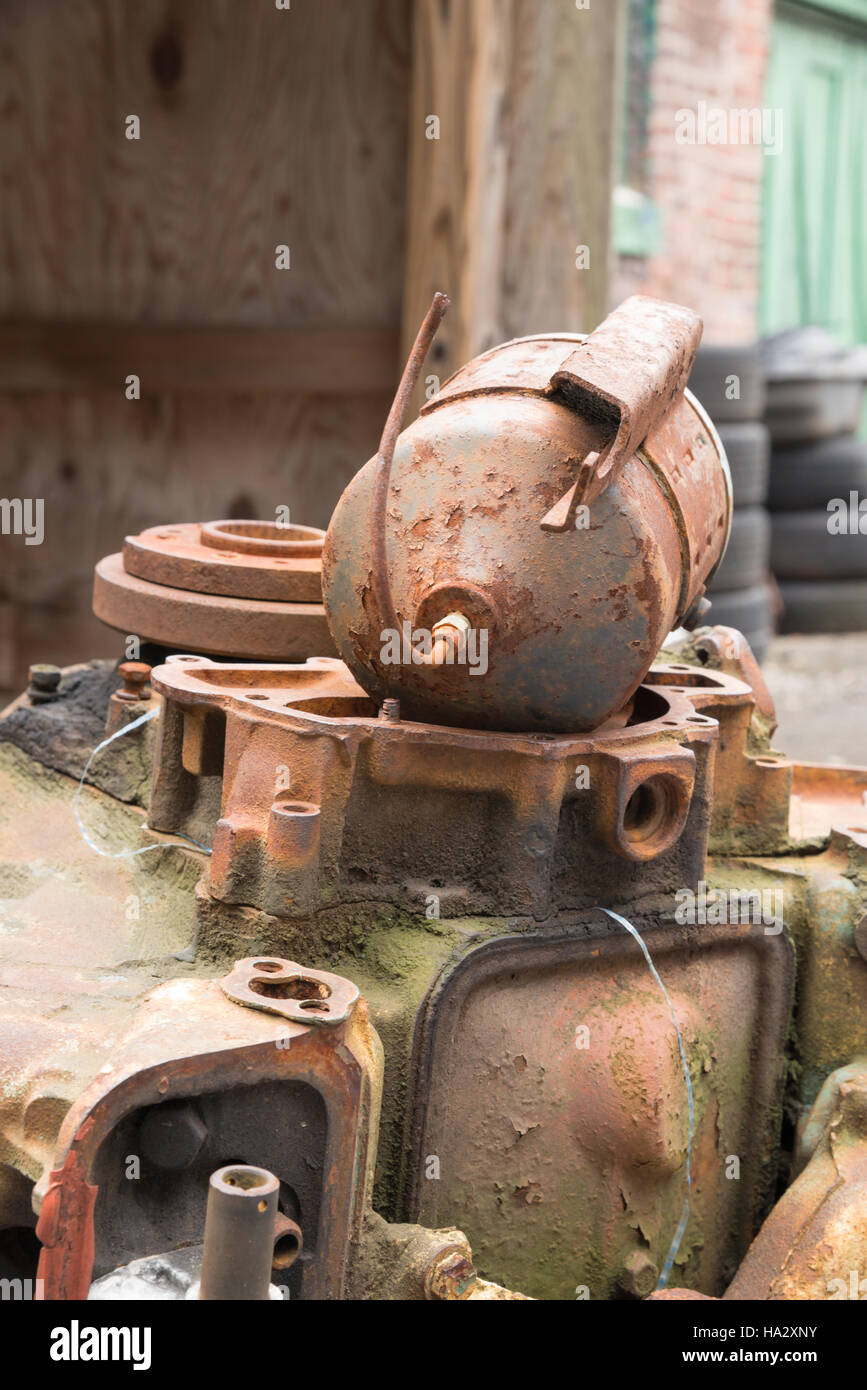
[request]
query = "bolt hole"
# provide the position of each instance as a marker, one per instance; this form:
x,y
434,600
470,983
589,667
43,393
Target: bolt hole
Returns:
x,y
247,1179
644,810
652,810
295,809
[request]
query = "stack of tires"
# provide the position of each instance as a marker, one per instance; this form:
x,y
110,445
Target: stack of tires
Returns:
x,y
818,483
729,382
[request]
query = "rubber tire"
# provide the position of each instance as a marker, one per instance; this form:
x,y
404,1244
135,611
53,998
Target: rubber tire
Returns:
x,y
746,561
811,476
807,409
832,606
713,365
803,548
748,448
749,611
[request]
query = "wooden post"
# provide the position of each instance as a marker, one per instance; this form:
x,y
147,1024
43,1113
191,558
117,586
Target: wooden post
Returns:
x,y
512,118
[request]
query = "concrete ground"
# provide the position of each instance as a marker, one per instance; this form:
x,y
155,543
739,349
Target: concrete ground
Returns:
x,y
819,686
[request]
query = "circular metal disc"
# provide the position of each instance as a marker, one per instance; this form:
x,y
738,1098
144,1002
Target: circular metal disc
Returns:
x,y
248,628
231,559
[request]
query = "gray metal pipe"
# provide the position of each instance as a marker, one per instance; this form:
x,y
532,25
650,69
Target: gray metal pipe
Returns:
x,y
239,1234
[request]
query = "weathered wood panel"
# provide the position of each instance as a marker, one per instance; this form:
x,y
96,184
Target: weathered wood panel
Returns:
x,y
38,356
105,466
259,127
520,175
564,95
156,257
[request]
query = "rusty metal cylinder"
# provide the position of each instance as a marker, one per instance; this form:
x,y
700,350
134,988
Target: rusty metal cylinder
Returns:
x,y
240,1226
556,509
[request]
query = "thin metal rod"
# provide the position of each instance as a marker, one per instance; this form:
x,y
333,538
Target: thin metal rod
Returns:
x,y
382,474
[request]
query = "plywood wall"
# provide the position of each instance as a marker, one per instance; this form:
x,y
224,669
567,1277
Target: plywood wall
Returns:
x,y
520,175
259,127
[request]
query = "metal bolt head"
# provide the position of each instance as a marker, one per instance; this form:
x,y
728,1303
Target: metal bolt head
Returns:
x,y
390,711
171,1135
640,1275
135,676
45,677
44,683
450,1276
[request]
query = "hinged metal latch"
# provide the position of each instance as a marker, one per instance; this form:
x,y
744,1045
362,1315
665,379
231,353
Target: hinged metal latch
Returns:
x,y
627,374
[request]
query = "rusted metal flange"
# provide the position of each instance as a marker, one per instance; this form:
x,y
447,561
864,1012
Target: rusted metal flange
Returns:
x,y
248,589
236,559
324,800
293,991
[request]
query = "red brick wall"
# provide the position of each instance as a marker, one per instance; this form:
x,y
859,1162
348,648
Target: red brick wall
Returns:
x,y
708,195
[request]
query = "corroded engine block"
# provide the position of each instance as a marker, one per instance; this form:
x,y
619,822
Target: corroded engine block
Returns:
x,y
472,1083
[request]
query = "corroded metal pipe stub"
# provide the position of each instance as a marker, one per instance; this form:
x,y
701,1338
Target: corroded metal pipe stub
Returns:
x,y
239,1234
563,496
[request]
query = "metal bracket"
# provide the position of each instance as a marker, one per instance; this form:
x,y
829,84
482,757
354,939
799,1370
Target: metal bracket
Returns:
x,y
627,375
311,997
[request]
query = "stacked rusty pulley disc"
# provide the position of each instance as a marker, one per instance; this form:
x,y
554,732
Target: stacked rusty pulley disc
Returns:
x,y
248,589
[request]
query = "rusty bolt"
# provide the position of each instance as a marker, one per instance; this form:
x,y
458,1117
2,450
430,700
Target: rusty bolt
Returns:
x,y
135,675
451,1275
860,935
640,1275
390,711
171,1136
44,683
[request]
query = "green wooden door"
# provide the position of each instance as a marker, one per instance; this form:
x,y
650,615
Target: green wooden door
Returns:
x,y
814,233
